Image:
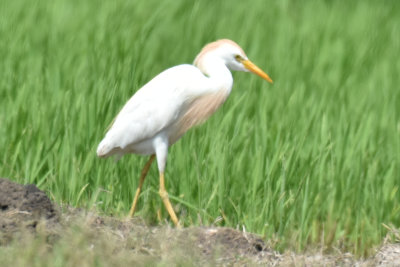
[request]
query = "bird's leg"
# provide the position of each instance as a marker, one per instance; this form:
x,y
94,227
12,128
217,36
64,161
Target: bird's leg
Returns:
x,y
164,196
142,177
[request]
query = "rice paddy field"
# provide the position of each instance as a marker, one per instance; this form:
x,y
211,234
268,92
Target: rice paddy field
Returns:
x,y
310,161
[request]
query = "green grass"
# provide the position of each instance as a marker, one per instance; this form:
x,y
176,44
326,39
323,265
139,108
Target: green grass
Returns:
x,y
313,159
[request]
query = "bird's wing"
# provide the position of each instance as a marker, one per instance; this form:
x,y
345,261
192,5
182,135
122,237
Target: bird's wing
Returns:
x,y
155,106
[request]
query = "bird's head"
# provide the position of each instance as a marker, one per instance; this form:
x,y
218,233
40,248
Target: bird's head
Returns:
x,y
233,56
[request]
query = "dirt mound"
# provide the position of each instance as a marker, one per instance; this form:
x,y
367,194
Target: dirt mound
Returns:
x,y
26,198
23,207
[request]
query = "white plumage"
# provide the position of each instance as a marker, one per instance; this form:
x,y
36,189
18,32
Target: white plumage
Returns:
x,y
155,110
159,113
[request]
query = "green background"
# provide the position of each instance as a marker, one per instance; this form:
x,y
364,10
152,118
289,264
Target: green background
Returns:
x,y
313,160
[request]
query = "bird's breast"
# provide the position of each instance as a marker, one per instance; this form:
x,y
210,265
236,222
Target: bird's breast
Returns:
x,y
198,109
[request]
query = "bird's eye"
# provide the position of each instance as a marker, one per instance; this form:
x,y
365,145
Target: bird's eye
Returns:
x,y
238,58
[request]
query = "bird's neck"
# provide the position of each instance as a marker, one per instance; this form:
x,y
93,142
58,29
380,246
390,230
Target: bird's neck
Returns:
x,y
217,72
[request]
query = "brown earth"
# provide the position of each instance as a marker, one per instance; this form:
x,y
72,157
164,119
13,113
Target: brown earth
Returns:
x,y
26,212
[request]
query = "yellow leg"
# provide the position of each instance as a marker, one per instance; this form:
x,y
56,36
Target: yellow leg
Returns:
x,y
142,177
164,196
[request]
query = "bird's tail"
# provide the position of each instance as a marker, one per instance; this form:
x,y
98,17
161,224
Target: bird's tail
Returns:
x,y
104,149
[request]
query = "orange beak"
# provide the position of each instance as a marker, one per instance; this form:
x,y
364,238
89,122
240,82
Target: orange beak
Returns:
x,y
256,70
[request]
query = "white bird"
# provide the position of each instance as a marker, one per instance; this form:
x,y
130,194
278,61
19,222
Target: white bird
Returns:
x,y
159,113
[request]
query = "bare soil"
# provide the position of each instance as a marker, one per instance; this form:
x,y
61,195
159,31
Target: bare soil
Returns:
x,y
26,212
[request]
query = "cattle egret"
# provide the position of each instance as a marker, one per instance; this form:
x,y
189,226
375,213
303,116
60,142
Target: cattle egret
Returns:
x,y
177,99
